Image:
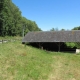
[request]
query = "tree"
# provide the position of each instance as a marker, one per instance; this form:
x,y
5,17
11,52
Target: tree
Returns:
x,y
70,44
11,20
62,29
52,29
76,28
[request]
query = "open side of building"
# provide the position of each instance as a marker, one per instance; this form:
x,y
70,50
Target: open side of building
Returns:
x,y
57,37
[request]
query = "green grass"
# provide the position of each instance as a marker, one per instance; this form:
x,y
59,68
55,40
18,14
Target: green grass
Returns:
x,y
10,37
19,62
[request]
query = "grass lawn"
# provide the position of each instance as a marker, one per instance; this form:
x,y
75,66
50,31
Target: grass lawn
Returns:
x,y
19,62
10,37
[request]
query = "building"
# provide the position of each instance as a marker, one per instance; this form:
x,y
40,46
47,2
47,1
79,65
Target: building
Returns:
x,y
59,37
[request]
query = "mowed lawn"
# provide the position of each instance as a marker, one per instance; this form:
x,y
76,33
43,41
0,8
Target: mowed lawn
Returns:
x,y
19,62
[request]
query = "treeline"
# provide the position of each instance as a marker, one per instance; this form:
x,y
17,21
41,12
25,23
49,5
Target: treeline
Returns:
x,y
12,22
56,29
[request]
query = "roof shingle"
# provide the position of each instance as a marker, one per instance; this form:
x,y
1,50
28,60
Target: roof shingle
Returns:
x,y
53,36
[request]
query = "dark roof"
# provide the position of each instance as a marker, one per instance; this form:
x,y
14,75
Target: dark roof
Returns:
x,y
53,36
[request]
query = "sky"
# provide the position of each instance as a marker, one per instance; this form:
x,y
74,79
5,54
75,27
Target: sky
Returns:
x,y
48,14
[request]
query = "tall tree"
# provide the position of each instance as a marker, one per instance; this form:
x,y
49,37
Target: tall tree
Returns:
x,y
11,20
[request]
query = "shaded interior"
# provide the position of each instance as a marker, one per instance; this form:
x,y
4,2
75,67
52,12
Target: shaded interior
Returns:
x,y
53,46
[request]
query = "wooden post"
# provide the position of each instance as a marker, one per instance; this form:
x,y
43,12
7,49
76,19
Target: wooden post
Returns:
x,y
59,47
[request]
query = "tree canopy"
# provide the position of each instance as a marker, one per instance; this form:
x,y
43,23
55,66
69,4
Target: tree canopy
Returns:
x,y
11,20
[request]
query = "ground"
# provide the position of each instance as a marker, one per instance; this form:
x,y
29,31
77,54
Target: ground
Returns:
x,y
20,62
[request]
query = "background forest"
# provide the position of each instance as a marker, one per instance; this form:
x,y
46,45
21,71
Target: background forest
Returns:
x,y
12,22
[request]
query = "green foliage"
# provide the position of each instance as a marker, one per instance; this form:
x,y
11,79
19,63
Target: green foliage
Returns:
x,y
76,28
73,44
62,29
11,20
77,44
54,29
70,44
